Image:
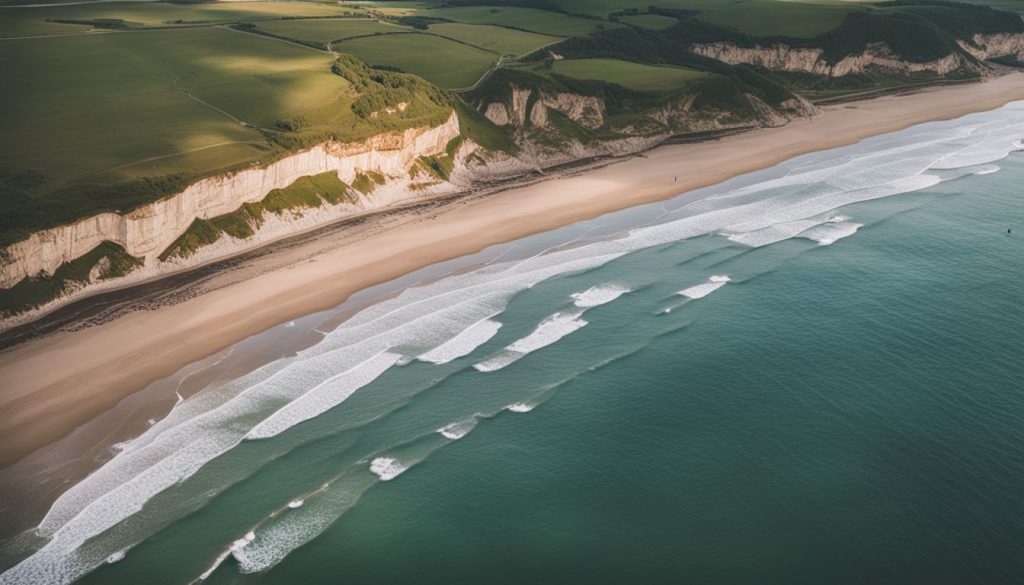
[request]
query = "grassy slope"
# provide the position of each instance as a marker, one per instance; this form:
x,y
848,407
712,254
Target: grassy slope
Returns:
x,y
442,61
778,18
494,38
33,292
328,29
652,21
627,74
305,192
530,19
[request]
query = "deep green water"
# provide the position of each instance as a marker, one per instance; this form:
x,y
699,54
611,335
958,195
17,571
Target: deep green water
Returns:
x,y
844,413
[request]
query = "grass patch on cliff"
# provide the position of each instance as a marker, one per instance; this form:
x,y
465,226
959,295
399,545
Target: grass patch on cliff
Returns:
x,y
628,74
305,192
439,60
367,182
108,260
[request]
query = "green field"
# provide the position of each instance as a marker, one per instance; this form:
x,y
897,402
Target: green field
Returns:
x,y
651,21
628,74
531,19
103,109
149,14
442,61
494,38
322,30
779,17
601,8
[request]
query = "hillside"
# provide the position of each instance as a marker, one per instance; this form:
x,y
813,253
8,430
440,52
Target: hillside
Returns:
x,y
143,138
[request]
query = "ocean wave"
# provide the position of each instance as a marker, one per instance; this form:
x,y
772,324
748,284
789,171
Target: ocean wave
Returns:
x,y
387,468
464,343
458,429
325,396
546,333
829,233
599,295
704,289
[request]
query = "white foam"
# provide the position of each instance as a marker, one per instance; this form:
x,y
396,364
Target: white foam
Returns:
x,y
387,468
599,295
464,343
237,545
702,290
458,429
829,233
325,396
988,170
547,332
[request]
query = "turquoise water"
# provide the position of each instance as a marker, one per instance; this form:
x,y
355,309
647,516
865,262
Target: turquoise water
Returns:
x,y
812,374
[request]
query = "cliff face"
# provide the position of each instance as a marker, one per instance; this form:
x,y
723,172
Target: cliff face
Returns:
x,y
782,57
995,46
149,230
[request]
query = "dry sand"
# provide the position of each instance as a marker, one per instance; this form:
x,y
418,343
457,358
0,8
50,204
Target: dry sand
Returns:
x,y
55,383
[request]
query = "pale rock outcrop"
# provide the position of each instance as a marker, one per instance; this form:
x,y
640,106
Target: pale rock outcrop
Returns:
x,y
996,45
147,231
99,269
539,115
782,57
497,113
585,110
520,97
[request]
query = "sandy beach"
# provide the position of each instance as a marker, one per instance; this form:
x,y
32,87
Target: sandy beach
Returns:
x,y
57,382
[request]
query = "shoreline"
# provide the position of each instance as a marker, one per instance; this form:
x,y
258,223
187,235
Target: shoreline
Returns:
x,y
55,383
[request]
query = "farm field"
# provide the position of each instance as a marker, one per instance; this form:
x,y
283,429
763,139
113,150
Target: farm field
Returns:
x,y
143,14
601,8
442,61
651,21
136,87
628,74
494,38
530,19
323,30
777,17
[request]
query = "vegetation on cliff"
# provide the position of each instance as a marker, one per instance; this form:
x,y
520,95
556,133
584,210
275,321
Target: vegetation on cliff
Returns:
x,y
106,261
305,192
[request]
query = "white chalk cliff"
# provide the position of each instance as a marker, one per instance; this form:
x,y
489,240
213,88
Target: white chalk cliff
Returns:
x,y
782,57
147,231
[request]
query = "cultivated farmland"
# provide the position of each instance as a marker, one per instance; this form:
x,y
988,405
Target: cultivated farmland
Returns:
x,y
628,74
439,60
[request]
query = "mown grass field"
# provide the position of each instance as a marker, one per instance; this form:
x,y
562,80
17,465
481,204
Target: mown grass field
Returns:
x,y
328,29
779,17
126,106
439,60
651,21
530,19
602,8
494,38
628,74
164,14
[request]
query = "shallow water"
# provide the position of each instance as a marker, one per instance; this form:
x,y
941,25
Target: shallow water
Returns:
x,y
808,374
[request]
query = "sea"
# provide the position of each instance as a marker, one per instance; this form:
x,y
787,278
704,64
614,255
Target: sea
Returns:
x,y
811,374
